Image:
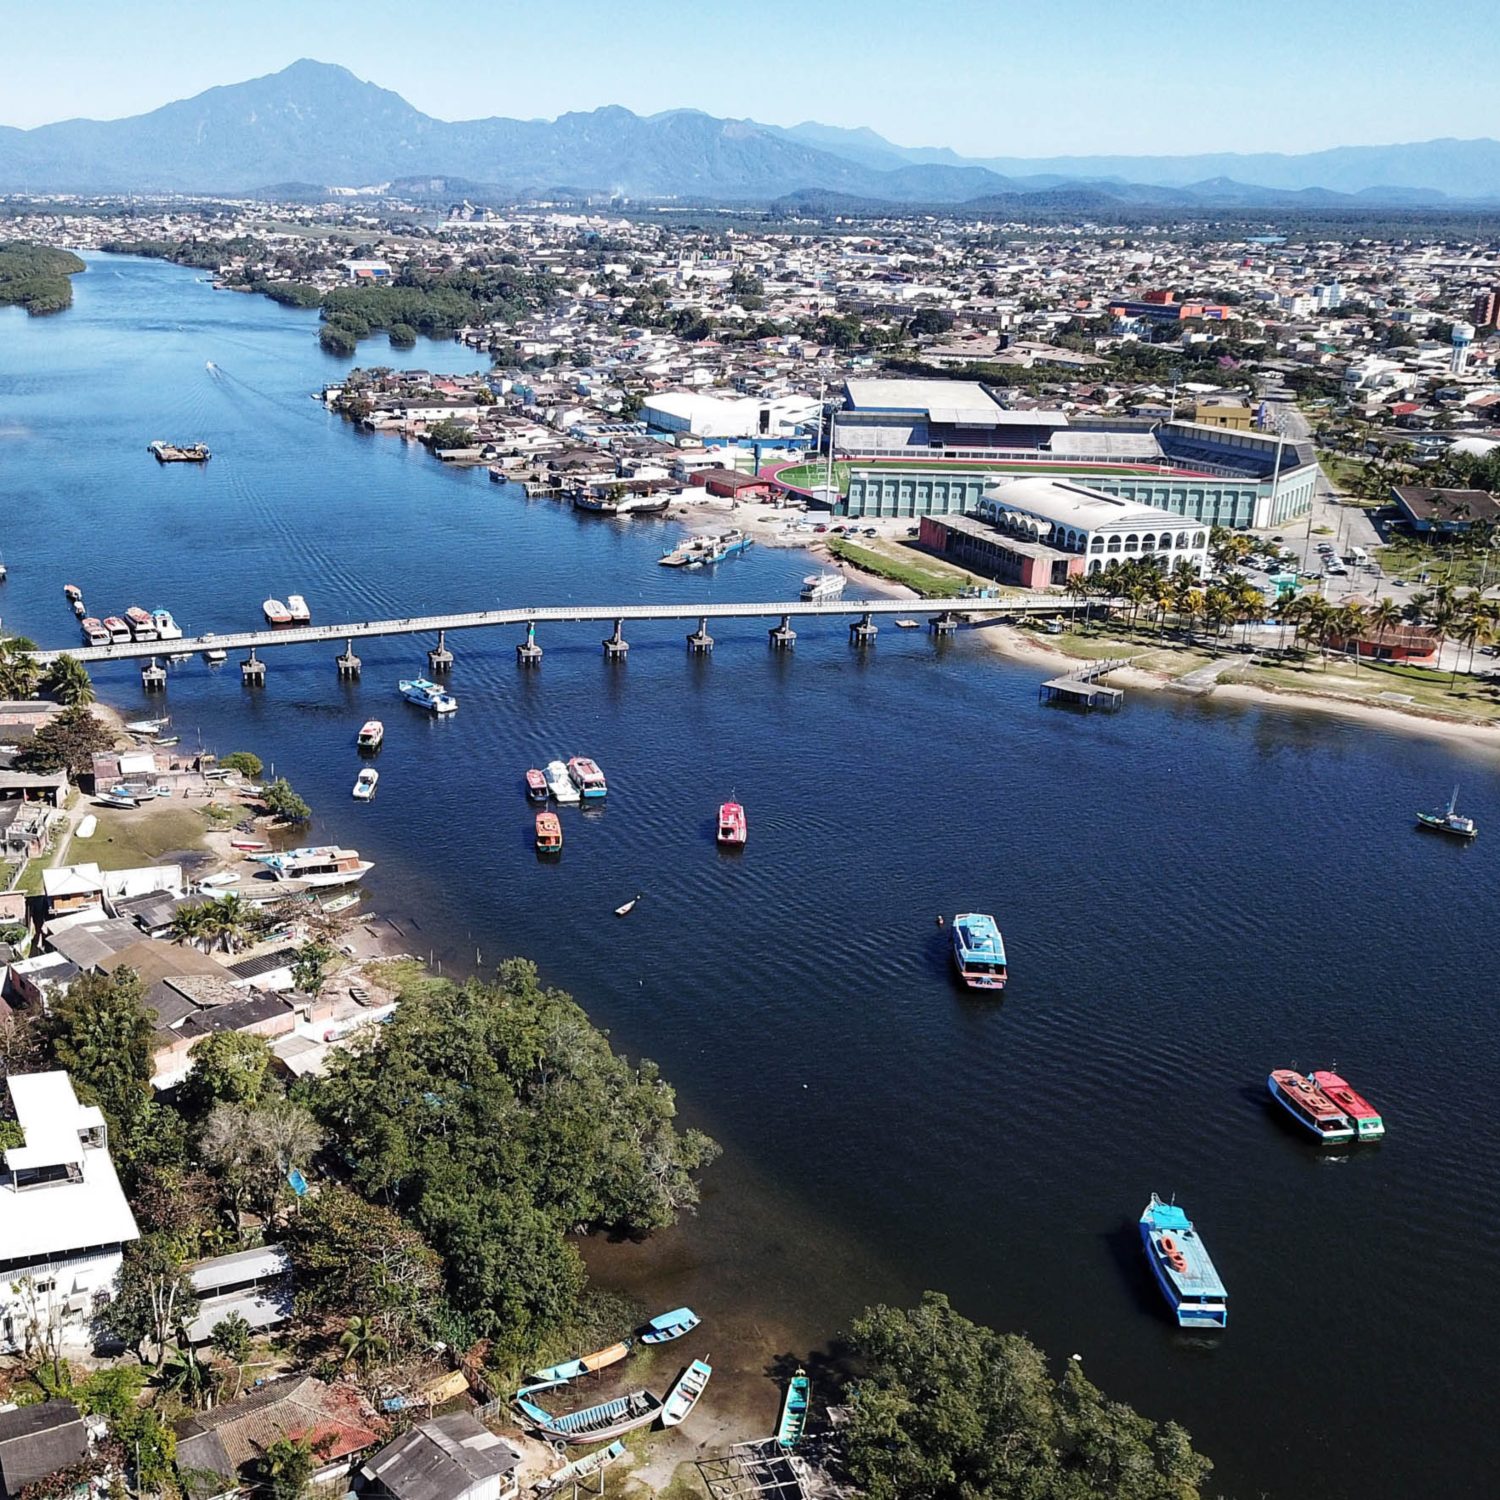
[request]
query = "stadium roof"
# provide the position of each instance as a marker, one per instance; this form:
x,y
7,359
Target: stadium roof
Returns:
x,y
956,403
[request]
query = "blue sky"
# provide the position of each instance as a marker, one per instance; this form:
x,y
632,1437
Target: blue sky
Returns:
x,y
987,77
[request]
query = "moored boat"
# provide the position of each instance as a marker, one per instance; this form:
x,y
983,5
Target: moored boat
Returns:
x,y
794,1411
1449,820
72,593
179,453
147,726
140,623
587,777
119,796
322,865
536,785
1180,1262
426,694
823,586
248,845
585,1364
166,627
296,607
684,1396
559,783
276,612
79,608
94,633
119,631
733,829
594,1424
216,656
1310,1107
669,1326
341,903
371,735
365,784
979,951
1368,1125
549,838
580,1468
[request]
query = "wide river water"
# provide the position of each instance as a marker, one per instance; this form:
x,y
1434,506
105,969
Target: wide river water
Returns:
x,y
1191,892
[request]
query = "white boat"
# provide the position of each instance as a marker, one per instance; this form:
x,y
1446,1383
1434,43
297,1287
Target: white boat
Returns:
x,y
86,827
276,612
216,655
823,586
322,865
429,695
559,783
215,882
147,726
683,1396
364,784
341,903
296,607
166,627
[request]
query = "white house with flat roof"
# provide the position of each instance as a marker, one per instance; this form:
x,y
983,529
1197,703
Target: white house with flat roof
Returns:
x,y
64,1220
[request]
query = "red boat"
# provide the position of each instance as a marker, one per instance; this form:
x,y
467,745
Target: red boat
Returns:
x,y
72,592
732,826
548,833
1310,1107
248,846
536,785
1366,1117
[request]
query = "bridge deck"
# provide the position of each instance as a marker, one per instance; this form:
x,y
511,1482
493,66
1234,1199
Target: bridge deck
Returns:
x,y
299,635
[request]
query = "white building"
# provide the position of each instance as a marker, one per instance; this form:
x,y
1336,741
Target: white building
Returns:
x,y
63,1216
719,417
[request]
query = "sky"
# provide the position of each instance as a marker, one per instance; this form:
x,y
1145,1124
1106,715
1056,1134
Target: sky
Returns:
x,y
985,77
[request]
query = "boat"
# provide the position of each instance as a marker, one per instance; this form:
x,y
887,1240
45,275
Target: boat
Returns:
x,y
371,735
341,903
1368,1126
276,612
628,907
179,453
559,783
147,726
587,777
536,785
727,543
1180,1262
428,695
216,882
322,865
733,830
166,627
580,1468
364,784
86,827
1310,1107
118,630
168,740
571,1369
216,656
296,607
683,1396
72,593
669,1326
119,796
979,951
94,633
141,626
818,586
794,1410
79,608
248,846
548,833
1449,821
594,1424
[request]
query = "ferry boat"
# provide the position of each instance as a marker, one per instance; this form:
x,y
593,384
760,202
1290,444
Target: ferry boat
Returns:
x,y
365,783
1310,1107
1449,821
536,785
371,735
141,626
119,631
1368,1125
823,586
72,593
587,777
733,830
1180,1262
276,612
690,550
727,543
322,865
979,951
296,607
428,695
166,627
94,633
179,453
559,783
548,833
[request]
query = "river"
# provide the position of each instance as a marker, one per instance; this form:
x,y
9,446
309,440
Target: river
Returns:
x,y
1192,893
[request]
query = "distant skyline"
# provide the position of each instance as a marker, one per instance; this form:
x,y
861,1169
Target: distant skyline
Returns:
x,y
1000,78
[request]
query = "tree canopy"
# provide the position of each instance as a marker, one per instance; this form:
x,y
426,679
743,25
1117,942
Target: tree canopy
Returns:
x,y
68,743
100,1032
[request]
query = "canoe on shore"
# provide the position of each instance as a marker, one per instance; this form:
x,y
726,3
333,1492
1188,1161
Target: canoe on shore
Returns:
x,y
585,1364
669,1326
794,1411
594,1424
683,1396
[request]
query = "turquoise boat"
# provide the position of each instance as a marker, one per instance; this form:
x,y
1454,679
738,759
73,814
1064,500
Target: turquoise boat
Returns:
x,y
1180,1262
794,1411
669,1326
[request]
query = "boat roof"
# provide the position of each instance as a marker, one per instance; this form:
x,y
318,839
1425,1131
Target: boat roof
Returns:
x,y
1352,1100
1166,1215
979,933
1306,1094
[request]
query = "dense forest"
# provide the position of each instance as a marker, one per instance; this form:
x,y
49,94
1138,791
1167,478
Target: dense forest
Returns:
x,y
36,277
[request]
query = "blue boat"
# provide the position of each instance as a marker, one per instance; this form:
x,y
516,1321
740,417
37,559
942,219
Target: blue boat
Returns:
x,y
1182,1267
595,1424
979,951
669,1326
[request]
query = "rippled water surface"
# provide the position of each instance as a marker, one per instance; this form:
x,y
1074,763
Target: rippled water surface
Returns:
x,y
1191,893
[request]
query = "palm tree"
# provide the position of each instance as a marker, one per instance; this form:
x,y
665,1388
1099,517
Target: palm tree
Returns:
x,y
191,924
19,672
1384,618
68,681
362,1343
1078,587
1349,624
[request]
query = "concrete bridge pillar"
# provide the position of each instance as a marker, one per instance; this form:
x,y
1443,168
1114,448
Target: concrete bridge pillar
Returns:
x,y
943,624
783,637
253,670
348,663
528,653
440,658
616,646
154,677
862,632
700,642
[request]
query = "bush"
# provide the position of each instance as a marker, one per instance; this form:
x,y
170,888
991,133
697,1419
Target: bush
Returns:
x,y
281,800
246,762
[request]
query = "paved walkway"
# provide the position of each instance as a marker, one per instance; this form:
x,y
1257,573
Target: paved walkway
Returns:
x,y
1205,678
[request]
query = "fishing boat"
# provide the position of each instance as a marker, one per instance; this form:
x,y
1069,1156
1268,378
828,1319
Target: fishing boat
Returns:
x,y
628,907
248,845
276,612
1449,821
371,735
94,633
365,784
581,1468
818,586
683,1396
296,607
571,1369
72,593
548,833
733,830
323,865
1310,1107
559,783
669,1326
166,741
1180,1262
179,453
119,796
979,951
79,609
536,785
428,695
341,903
1368,1126
587,777
147,726
794,1410
594,1424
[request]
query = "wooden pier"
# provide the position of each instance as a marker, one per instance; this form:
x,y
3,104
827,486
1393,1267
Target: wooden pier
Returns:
x,y
1082,688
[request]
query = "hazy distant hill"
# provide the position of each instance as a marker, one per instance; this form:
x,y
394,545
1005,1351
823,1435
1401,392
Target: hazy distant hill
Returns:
x,y
315,123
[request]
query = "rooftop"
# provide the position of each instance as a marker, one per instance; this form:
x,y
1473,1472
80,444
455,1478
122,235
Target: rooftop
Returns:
x,y
441,1458
959,403
1074,505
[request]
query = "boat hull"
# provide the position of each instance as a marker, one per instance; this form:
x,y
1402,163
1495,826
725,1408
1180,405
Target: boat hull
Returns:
x,y
1207,1306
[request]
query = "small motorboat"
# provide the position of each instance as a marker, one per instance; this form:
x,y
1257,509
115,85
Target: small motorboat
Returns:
x,y
733,830
276,612
1449,821
79,608
216,656
548,833
215,882
118,797
147,726
536,785
72,593
683,1396
628,907
296,607
168,740
669,1326
342,903
371,735
86,827
248,846
365,783
794,1411
560,784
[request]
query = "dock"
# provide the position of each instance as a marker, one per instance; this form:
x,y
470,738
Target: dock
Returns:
x,y
1082,688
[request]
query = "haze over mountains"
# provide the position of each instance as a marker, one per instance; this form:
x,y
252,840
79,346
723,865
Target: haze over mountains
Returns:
x,y
317,124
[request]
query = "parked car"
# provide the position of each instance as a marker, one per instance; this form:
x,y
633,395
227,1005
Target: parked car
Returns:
x,y
820,527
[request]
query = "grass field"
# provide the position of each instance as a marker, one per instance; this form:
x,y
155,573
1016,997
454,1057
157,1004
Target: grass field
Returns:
x,y
929,576
127,839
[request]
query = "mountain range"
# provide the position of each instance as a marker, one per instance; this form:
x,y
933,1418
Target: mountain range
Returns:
x,y
317,124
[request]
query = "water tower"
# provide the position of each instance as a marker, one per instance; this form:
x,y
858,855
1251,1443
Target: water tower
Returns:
x,y
1463,336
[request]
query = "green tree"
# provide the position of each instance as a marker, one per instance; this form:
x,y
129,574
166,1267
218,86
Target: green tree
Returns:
x,y
67,680
284,803
229,1338
110,1392
101,1034
153,1300
362,1343
246,762
286,1469
68,743
450,433
228,1067
310,966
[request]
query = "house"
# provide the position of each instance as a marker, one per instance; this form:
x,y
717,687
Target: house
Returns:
x,y
73,888
256,1284
1436,510
448,1458
38,1441
63,1217
229,1440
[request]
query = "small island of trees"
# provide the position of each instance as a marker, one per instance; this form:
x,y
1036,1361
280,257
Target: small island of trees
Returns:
x,y
36,277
